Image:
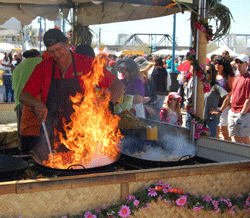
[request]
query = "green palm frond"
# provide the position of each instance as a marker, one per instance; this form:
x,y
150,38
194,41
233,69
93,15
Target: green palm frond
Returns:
x,y
221,15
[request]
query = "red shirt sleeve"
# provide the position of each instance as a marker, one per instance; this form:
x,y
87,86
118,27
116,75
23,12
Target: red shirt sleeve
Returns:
x,y
33,85
107,79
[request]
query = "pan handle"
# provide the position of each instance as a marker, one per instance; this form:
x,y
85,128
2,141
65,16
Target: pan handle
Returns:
x,y
75,165
189,156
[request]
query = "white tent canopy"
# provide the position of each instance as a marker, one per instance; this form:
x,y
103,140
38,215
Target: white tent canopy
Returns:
x,y
163,52
6,47
221,49
89,12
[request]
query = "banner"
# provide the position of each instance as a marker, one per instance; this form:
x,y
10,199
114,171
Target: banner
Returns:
x,y
132,52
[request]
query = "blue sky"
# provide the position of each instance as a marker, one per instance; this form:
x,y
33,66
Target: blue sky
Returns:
x,y
240,10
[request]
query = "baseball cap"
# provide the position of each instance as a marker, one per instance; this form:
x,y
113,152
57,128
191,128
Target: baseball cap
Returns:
x,y
243,58
143,63
53,36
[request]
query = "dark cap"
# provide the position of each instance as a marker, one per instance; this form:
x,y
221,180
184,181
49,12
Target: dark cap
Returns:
x,y
32,53
53,36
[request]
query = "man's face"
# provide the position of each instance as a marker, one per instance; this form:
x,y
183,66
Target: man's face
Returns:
x,y
225,54
241,66
60,52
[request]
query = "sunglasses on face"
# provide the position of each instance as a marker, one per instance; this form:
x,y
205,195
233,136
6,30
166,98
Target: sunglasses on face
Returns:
x,y
173,99
238,62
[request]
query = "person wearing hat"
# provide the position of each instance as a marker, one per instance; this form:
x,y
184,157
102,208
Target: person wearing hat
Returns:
x,y
239,113
19,78
150,94
171,111
59,77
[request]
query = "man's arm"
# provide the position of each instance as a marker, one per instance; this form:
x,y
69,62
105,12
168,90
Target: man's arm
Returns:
x,y
117,88
246,106
36,106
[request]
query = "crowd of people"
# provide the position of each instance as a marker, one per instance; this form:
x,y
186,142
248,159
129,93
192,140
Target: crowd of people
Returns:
x,y
42,86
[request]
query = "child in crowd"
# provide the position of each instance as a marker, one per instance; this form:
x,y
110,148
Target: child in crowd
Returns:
x,y
171,111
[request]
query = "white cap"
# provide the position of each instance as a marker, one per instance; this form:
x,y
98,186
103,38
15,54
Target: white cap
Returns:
x,y
243,58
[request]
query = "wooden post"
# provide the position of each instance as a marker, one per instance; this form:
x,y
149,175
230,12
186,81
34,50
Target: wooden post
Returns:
x,y
202,53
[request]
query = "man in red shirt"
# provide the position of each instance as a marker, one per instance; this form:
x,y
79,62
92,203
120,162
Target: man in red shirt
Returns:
x,y
59,77
239,114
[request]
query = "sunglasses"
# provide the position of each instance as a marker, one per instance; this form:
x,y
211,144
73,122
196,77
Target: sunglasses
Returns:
x,y
238,62
173,99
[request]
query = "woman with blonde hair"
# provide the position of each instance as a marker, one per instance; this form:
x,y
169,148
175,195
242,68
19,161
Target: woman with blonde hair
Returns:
x,y
171,111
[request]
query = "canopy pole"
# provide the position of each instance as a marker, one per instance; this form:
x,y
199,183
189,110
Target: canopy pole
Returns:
x,y
201,53
173,46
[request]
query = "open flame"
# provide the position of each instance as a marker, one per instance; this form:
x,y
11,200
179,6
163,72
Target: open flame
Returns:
x,y
92,136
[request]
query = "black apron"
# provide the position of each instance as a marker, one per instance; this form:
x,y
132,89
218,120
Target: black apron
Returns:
x,y
58,102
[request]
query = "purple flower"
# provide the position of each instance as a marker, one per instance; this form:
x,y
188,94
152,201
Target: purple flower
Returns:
x,y
215,202
182,200
160,197
98,211
207,198
159,183
152,192
192,52
239,196
136,203
124,212
89,215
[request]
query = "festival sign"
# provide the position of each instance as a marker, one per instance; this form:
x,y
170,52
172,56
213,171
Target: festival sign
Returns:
x,y
132,52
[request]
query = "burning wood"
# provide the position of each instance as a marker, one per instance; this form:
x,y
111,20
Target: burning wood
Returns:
x,y
92,137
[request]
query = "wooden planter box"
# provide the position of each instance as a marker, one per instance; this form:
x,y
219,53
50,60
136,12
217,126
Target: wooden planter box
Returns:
x,y
54,197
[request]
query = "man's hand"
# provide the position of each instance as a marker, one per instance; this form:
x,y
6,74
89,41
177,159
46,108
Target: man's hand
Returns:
x,y
40,111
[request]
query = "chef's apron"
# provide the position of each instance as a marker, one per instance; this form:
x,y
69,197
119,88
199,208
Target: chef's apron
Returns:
x,y
58,102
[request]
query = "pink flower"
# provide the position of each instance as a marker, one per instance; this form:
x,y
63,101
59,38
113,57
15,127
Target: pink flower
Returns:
x,y
147,206
104,208
89,215
152,192
165,190
202,77
61,217
203,29
198,127
248,210
217,210
194,121
124,212
98,211
207,198
136,202
202,66
182,200
239,196
130,197
191,111
198,208
192,52
159,183
160,197
197,135
215,202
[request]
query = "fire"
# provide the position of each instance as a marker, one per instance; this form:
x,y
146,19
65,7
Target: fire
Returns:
x,y
92,136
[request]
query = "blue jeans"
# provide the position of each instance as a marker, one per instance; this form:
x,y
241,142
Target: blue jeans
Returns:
x,y
213,125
